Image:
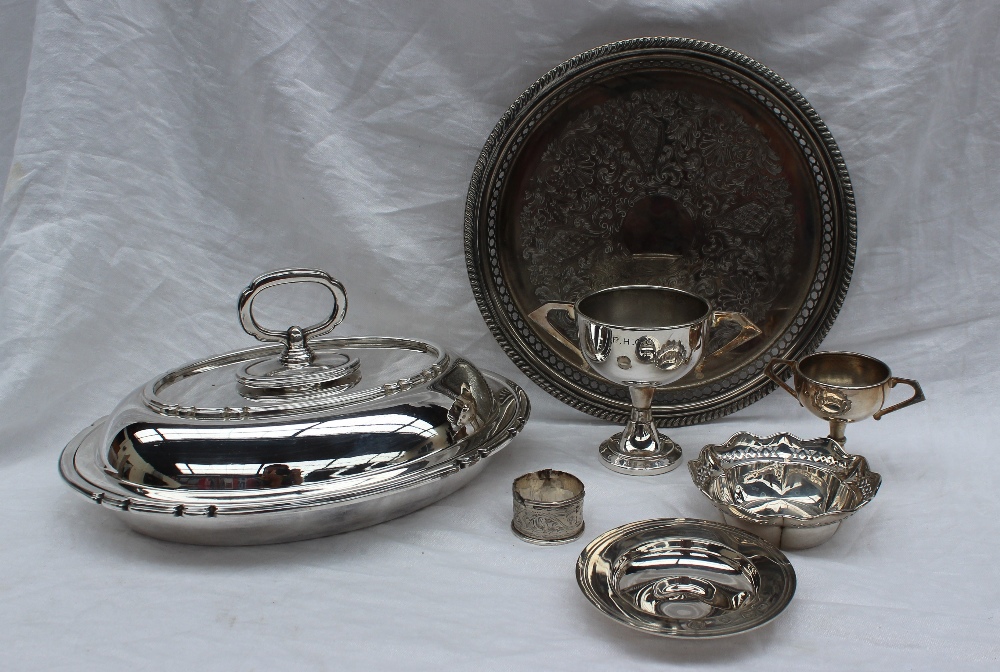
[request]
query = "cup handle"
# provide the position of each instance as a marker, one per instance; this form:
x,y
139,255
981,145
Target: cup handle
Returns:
x,y
748,330
540,316
918,396
769,372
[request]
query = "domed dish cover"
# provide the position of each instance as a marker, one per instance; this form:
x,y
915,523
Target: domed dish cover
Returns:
x,y
791,492
296,440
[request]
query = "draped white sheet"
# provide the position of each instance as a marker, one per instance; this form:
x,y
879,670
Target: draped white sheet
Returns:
x,y
162,154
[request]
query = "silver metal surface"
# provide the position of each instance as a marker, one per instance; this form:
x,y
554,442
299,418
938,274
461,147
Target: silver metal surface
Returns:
x,y
548,507
793,493
644,337
842,387
660,161
332,421
685,578
267,515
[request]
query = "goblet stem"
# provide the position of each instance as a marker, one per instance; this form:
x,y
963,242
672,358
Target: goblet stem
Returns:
x,y
639,449
640,436
837,431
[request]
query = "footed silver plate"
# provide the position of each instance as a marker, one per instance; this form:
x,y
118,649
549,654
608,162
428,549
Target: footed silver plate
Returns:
x,y
791,492
685,578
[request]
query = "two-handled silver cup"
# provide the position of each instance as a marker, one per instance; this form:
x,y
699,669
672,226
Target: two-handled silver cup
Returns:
x,y
842,387
644,337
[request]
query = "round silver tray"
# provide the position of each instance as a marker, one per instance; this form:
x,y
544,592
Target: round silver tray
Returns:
x,y
684,578
304,511
660,161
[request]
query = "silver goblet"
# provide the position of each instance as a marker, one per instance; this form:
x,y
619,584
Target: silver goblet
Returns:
x,y
644,337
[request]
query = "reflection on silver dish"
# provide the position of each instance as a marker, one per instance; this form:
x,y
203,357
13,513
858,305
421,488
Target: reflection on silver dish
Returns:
x,y
679,577
791,492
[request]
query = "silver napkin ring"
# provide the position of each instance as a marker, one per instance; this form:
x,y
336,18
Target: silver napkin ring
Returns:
x,y
548,507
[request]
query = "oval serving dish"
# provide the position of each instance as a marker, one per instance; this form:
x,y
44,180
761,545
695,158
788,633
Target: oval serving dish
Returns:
x,y
308,438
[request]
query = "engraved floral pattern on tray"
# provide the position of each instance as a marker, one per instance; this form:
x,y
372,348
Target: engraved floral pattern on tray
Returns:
x,y
721,207
507,181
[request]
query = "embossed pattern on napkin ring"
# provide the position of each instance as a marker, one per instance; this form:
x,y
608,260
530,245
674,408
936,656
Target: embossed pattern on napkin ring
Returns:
x,y
548,507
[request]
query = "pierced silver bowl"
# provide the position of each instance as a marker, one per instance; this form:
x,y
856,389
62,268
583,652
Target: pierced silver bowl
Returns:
x,y
791,492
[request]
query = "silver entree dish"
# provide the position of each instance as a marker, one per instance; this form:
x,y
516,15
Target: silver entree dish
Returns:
x,y
306,438
685,578
793,493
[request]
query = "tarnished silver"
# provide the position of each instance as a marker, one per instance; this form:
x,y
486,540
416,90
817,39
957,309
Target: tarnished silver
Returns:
x,y
644,337
660,161
793,493
548,507
685,578
842,387
198,456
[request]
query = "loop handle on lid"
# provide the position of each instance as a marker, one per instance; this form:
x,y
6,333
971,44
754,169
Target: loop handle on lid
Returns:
x,y
300,369
295,339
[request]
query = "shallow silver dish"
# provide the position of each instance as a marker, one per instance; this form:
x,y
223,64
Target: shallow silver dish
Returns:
x,y
793,493
679,577
293,441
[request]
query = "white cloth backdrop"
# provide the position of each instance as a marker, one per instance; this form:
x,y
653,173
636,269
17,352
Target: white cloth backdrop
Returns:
x,y
164,153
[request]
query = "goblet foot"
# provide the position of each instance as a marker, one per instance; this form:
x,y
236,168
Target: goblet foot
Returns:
x,y
665,458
